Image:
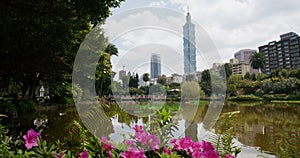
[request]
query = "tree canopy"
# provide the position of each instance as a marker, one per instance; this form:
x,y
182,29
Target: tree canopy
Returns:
x,y
257,60
39,39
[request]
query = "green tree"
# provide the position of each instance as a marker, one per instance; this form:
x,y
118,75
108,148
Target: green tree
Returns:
x,y
145,89
205,82
111,49
253,77
134,81
41,38
247,76
257,60
104,73
226,70
233,84
162,80
174,85
146,77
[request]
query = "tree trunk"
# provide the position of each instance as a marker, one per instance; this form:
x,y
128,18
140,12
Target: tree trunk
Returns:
x,y
32,88
24,89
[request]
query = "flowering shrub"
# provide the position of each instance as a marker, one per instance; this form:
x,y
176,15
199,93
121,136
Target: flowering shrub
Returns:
x,y
142,144
135,148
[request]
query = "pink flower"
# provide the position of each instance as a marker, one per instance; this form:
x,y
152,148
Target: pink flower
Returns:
x,y
211,154
195,149
31,138
166,150
150,140
229,156
186,143
129,142
138,128
206,146
133,152
84,154
103,139
107,146
175,145
197,154
196,146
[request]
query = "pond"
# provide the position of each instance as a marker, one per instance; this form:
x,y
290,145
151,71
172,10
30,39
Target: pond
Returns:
x,y
260,127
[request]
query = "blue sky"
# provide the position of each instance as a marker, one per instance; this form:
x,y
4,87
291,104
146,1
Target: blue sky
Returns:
x,y
231,25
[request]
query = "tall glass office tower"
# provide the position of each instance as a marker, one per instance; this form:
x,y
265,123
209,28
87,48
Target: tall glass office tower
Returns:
x,y
189,46
155,66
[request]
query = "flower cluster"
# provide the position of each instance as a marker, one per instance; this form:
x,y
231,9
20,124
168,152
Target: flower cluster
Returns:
x,y
135,148
133,152
107,146
194,149
143,139
148,140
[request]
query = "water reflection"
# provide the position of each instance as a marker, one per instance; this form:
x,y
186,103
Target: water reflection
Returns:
x,y
268,126
264,126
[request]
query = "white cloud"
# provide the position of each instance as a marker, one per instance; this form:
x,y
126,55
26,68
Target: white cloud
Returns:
x,y
158,4
232,24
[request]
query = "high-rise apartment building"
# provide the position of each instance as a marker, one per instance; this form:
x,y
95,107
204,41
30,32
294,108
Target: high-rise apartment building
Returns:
x,y
284,54
155,66
189,46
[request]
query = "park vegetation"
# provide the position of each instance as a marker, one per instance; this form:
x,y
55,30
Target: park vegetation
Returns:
x,y
39,44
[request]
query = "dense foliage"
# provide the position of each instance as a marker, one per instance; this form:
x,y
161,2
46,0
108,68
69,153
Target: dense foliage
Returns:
x,y
39,41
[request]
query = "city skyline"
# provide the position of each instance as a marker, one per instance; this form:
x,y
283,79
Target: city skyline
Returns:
x,y
258,22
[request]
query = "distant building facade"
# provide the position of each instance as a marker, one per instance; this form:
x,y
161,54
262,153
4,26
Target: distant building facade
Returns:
x,y
189,48
244,57
216,67
239,67
282,54
155,66
122,73
175,78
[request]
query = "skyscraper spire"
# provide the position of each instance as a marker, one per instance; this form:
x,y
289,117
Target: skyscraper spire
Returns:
x,y
189,45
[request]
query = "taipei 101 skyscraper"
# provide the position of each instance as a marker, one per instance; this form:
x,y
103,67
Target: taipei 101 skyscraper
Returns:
x,y
189,46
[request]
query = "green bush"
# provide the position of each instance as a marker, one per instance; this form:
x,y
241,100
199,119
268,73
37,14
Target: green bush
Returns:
x,y
268,97
8,107
294,96
245,98
28,105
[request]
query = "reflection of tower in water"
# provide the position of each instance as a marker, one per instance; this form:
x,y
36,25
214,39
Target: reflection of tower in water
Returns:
x,y
192,114
191,130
